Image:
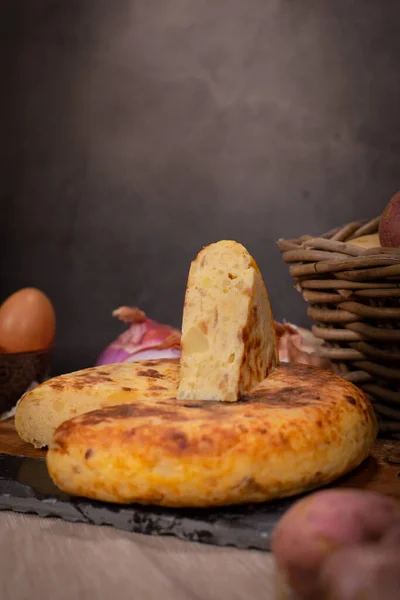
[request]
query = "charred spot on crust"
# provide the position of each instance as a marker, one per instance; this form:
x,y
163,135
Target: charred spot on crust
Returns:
x,y
126,411
287,397
58,386
103,415
311,375
350,400
59,444
89,378
88,453
151,373
125,388
180,439
156,388
91,419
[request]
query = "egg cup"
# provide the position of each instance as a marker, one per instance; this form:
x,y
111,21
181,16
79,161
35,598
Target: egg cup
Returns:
x,y
18,371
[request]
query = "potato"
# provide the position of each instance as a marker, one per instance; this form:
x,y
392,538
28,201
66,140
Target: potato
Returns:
x,y
392,537
389,224
367,241
368,572
320,524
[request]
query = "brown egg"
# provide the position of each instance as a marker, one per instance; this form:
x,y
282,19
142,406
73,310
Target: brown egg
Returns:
x,y
27,322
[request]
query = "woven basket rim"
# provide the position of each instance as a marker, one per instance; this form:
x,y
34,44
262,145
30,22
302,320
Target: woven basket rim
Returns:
x,y
353,297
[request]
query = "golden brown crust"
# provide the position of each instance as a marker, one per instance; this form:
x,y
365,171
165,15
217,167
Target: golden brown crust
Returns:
x,y
301,428
44,408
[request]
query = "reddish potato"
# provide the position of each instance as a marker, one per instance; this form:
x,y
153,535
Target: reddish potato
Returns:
x,y
392,538
320,524
368,572
389,225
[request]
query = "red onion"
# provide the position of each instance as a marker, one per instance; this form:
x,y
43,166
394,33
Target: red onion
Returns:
x,y
299,345
146,340
143,340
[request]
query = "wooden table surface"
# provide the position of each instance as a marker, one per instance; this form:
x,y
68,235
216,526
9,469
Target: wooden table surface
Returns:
x,y
50,558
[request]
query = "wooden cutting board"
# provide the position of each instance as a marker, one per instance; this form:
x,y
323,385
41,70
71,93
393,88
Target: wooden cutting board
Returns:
x,y
11,443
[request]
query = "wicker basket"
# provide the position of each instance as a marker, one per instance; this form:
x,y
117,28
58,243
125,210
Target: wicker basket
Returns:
x,y
353,296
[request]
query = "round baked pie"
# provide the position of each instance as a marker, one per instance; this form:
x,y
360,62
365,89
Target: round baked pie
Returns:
x,y
301,428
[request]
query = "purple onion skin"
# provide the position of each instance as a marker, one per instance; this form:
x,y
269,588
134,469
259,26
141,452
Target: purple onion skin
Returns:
x,y
118,355
111,355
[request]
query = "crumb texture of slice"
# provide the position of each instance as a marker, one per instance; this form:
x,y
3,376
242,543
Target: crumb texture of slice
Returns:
x,y
228,341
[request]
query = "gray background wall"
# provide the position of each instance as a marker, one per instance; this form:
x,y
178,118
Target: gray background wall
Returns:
x,y
134,132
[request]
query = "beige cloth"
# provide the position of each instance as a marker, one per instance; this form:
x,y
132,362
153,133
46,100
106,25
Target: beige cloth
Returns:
x,y
44,559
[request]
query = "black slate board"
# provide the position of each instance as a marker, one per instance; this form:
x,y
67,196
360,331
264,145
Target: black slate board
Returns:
x,y
25,486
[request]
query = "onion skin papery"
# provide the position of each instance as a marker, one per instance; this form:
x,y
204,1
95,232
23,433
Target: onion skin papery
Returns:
x,y
146,339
